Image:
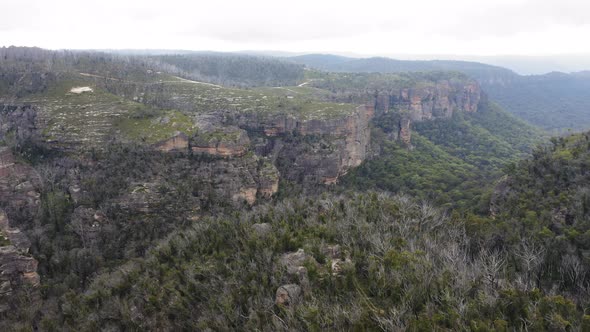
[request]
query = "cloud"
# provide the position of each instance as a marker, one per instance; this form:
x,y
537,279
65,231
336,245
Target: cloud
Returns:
x,y
369,26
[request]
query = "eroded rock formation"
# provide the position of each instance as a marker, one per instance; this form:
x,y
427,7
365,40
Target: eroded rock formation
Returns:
x,y
312,151
178,142
221,141
437,101
288,295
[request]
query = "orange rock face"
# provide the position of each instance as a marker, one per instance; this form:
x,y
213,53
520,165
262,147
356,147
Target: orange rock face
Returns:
x,y
178,142
330,180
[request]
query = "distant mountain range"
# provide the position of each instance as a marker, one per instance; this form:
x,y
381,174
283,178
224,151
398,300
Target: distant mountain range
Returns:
x,y
555,101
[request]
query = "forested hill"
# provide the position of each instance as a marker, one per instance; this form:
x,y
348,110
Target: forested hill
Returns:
x,y
452,161
39,67
555,101
481,72
234,69
548,194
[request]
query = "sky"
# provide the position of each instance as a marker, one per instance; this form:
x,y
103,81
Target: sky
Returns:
x,y
362,27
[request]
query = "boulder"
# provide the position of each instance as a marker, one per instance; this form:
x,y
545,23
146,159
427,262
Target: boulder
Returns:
x,y
288,295
293,261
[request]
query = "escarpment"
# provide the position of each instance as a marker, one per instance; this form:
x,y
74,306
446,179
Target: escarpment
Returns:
x,y
225,141
316,146
413,99
308,138
440,100
311,151
418,104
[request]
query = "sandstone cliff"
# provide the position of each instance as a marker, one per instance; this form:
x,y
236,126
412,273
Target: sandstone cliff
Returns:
x,y
178,142
416,97
311,151
439,100
225,141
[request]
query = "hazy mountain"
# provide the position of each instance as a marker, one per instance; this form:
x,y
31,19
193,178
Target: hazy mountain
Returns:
x,y
555,101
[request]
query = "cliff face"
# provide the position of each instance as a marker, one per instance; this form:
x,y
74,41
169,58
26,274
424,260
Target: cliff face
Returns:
x,y
224,141
431,102
312,151
318,150
428,103
178,142
414,97
311,147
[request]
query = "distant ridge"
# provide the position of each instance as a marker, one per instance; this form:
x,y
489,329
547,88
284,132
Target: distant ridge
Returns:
x,y
555,101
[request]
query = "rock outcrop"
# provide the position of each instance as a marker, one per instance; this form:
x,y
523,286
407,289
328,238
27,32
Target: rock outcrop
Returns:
x,y
247,194
288,295
294,261
415,99
439,100
176,143
404,132
312,151
221,141
428,103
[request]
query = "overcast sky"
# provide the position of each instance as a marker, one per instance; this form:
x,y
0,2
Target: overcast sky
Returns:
x,y
466,27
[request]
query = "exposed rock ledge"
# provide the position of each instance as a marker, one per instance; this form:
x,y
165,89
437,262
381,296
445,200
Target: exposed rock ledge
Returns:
x,y
178,142
221,141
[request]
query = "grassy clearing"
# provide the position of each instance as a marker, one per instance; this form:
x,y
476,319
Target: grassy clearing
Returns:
x,y
155,129
91,118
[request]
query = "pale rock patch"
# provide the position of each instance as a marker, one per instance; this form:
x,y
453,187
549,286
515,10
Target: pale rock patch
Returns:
x,y
81,89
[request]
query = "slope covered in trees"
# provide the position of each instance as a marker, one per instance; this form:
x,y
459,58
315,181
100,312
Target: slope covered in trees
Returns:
x,y
452,160
546,197
555,101
349,262
479,71
237,70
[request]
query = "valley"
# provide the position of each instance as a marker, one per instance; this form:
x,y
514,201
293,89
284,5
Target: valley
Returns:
x,y
237,192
